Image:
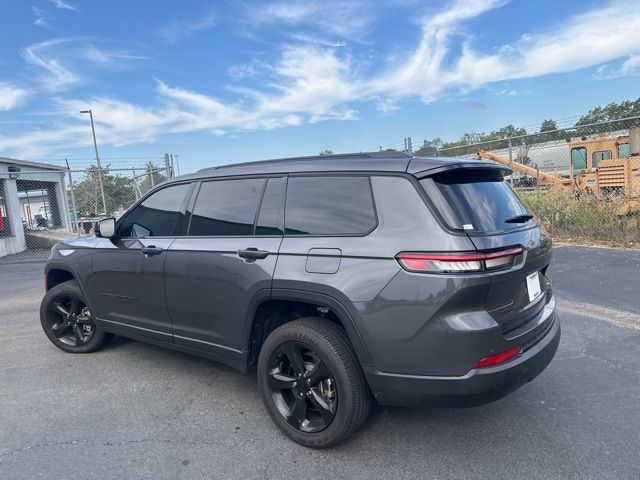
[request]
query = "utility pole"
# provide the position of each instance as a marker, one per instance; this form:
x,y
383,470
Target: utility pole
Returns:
x,y
407,145
95,145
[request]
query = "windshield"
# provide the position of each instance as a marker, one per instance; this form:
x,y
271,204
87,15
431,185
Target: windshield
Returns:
x,y
476,200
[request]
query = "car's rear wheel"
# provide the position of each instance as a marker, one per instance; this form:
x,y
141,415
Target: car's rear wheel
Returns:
x,y
312,384
67,320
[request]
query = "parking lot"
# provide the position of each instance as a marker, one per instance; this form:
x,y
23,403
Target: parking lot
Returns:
x,y
137,411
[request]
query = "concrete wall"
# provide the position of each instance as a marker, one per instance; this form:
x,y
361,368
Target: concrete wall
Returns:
x,y
16,242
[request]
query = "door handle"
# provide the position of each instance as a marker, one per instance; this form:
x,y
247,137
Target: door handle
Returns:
x,y
151,250
253,253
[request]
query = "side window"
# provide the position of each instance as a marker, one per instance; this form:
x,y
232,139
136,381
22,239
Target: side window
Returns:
x,y
623,150
226,207
271,216
597,157
329,205
157,215
579,159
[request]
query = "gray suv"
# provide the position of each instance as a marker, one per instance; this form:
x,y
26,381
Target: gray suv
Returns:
x,y
337,280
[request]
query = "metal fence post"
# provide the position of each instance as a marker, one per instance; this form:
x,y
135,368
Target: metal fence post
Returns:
x,y
73,199
134,184
510,162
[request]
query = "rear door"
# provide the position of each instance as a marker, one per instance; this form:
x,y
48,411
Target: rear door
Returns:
x,y
482,204
223,261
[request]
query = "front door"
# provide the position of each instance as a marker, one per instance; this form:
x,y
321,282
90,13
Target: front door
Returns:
x,y
225,263
126,284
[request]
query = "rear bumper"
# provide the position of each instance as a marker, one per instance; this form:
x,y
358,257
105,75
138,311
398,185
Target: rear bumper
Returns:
x,y
477,387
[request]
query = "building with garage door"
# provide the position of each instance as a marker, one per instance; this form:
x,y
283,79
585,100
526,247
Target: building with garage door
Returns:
x,y
33,206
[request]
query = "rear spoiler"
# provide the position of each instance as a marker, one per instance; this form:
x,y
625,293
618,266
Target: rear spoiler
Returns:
x,y
421,169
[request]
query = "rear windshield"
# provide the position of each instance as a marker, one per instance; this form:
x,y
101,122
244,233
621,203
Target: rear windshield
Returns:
x,y
476,200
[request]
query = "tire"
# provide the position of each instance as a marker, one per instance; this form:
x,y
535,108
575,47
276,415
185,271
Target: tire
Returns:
x,y
67,321
334,408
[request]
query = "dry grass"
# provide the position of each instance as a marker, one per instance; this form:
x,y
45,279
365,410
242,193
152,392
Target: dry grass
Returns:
x,y
586,220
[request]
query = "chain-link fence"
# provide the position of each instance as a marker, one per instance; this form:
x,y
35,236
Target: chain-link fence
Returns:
x,y
583,181
42,203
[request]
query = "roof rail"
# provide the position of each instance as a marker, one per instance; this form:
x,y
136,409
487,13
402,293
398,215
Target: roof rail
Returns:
x,y
363,155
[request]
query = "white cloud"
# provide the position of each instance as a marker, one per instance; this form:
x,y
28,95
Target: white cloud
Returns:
x,y
574,43
242,71
176,31
315,86
350,19
56,75
56,58
41,19
386,106
63,4
306,38
11,96
105,58
631,66
310,82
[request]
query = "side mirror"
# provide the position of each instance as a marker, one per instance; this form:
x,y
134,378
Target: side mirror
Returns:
x,y
106,228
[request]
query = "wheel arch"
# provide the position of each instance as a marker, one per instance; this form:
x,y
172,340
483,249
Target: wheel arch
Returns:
x,y
56,274
264,307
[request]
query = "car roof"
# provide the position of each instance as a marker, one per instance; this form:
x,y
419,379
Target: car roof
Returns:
x,y
347,162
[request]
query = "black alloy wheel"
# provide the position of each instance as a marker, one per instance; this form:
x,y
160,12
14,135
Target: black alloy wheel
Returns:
x,y
302,387
68,321
311,382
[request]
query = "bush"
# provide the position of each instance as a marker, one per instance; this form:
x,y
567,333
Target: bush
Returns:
x,y
586,218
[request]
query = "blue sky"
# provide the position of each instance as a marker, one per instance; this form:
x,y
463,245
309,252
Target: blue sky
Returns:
x,y
219,82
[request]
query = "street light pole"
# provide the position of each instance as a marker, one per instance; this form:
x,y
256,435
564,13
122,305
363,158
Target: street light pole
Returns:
x,y
95,145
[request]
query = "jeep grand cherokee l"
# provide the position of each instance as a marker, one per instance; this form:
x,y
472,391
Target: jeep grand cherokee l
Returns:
x,y
337,280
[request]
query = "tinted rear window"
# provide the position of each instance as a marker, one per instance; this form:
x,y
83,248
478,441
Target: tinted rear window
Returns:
x,y
328,205
475,200
226,207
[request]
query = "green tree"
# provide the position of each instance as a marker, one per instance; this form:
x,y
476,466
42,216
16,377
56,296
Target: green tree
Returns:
x,y
118,192
153,178
499,139
326,153
435,143
608,113
548,125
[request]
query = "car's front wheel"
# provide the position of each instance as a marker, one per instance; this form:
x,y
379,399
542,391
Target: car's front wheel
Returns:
x,y
67,320
312,384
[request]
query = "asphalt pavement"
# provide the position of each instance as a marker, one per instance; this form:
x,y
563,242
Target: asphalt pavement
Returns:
x,y
137,411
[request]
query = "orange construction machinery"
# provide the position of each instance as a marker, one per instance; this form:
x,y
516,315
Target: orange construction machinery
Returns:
x,y
604,165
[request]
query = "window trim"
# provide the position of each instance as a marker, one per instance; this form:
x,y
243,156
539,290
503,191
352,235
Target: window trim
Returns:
x,y
593,157
183,208
367,175
586,163
618,150
259,207
285,179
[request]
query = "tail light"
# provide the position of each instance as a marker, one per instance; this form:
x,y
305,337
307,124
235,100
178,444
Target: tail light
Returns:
x,y
498,358
458,262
